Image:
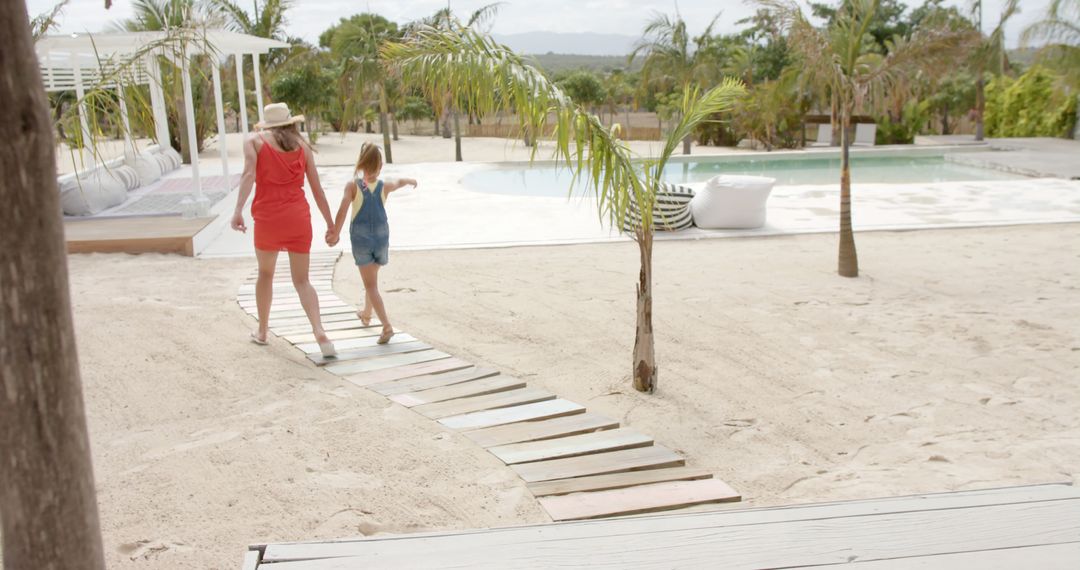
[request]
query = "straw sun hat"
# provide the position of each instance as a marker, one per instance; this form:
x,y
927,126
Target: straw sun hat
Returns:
x,y
277,115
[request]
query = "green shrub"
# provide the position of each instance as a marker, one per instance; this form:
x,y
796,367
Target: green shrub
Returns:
x,y
914,115
1031,105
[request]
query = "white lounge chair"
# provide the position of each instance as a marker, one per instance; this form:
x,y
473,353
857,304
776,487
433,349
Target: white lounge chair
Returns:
x,y
824,135
731,202
865,134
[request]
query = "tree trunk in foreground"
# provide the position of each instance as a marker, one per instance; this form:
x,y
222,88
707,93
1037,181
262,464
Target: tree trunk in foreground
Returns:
x,y
980,106
644,348
384,124
457,137
848,265
48,513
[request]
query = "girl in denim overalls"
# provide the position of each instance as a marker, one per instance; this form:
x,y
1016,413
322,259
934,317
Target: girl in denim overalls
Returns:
x,y
369,231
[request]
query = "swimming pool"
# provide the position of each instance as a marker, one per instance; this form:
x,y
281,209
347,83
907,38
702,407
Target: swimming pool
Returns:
x,y
548,180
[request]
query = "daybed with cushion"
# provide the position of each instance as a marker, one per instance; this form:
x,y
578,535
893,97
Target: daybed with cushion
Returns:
x,y
106,185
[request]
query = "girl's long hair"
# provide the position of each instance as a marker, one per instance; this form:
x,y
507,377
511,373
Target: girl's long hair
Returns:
x,y
370,159
288,137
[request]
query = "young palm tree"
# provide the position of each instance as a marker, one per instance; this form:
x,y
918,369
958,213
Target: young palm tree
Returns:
x,y
843,57
1059,31
989,55
46,21
670,62
485,77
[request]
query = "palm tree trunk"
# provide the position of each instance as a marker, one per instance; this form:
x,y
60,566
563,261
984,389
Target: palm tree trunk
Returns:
x,y
457,137
980,105
848,264
686,144
48,510
645,371
393,125
384,125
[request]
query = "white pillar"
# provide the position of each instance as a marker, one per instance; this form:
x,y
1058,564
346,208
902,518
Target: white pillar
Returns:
x,y
219,106
129,147
189,112
239,57
258,85
80,92
157,101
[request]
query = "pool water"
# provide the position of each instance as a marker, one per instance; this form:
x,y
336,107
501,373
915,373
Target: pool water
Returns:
x,y
549,180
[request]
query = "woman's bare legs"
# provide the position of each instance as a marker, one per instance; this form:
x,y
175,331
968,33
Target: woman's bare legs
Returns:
x,y
369,274
264,289
309,298
365,313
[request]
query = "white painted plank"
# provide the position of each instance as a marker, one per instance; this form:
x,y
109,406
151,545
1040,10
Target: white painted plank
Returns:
x,y
481,387
429,381
637,499
541,430
608,440
652,457
616,480
785,543
378,363
540,410
494,401
367,340
366,379
366,353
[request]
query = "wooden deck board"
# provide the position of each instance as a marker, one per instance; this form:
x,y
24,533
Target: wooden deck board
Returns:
x,y
142,234
359,354
616,480
365,379
652,457
346,334
494,401
430,381
528,412
481,387
541,430
608,440
380,362
936,531
638,499
365,341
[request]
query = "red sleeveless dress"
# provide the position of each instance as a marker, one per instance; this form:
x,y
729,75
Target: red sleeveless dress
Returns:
x,y
280,209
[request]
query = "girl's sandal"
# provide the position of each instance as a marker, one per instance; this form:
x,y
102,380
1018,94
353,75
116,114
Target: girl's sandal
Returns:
x,y
259,341
385,337
327,349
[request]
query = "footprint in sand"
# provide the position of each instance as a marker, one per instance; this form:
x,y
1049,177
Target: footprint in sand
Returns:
x,y
148,549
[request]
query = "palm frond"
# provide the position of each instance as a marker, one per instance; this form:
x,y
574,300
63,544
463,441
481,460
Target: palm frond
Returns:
x,y
44,23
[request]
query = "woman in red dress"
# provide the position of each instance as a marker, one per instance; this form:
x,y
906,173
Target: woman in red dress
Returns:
x,y
275,161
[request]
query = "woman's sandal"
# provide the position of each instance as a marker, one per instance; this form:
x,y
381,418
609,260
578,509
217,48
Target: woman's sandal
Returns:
x,y
327,349
259,341
385,337
366,321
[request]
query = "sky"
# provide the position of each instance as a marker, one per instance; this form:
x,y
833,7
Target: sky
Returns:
x,y
308,18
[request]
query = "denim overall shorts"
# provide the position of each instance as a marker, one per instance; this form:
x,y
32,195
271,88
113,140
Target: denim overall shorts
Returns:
x,y
369,230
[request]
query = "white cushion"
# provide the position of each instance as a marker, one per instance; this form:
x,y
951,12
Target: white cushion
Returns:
x,y
165,163
732,202
93,192
671,211
174,156
127,175
148,169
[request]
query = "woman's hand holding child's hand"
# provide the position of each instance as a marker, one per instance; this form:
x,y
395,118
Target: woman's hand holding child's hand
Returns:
x,y
331,238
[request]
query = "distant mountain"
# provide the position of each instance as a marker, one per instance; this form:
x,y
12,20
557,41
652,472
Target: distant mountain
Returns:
x,y
584,43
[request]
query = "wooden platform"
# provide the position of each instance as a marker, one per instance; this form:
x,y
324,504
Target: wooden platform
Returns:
x,y
579,464
154,234
1036,527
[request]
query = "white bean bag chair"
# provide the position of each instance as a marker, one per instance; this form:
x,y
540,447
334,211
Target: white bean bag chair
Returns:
x,y
671,212
174,157
732,202
91,193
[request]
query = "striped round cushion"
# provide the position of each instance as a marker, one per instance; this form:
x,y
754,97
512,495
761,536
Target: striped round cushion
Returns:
x,y
671,211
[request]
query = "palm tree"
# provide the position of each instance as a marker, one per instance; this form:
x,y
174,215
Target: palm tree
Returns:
x,y
670,62
990,55
445,19
1059,30
45,22
485,77
842,56
48,508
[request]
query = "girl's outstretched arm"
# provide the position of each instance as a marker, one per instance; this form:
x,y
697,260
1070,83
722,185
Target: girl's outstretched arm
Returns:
x,y
391,185
316,187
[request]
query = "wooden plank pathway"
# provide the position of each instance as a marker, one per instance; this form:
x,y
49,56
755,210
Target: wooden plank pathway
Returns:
x,y
577,463
992,529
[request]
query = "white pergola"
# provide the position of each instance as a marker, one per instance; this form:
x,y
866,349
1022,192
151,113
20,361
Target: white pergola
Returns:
x,y
80,61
